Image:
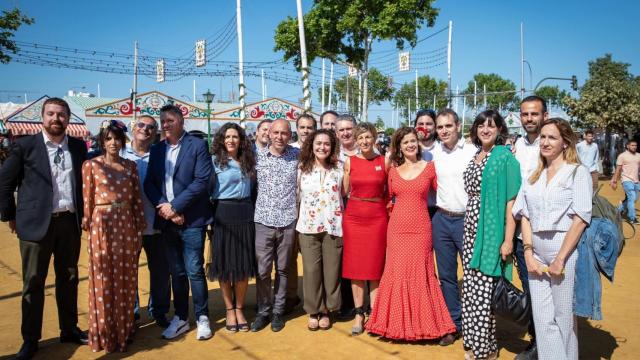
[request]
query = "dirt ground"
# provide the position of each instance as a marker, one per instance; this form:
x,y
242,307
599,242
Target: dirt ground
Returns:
x,y
614,337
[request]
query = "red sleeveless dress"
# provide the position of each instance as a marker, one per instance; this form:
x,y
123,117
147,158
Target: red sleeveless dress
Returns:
x,y
364,226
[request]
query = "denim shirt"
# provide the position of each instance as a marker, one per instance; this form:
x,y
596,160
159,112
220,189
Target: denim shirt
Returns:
x,y
597,253
232,183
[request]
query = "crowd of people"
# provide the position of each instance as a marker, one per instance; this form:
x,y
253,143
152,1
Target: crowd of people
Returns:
x,y
368,225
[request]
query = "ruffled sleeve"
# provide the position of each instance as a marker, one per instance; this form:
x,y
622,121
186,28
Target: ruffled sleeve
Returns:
x,y
519,208
582,202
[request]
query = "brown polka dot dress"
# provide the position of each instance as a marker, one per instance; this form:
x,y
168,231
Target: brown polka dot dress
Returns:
x,y
115,237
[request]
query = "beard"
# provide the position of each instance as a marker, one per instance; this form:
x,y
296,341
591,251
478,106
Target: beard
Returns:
x,y
55,131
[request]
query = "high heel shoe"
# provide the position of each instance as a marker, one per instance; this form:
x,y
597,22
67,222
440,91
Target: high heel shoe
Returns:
x,y
231,328
244,327
358,329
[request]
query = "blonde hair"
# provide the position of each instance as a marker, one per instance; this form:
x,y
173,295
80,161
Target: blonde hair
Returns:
x,y
364,127
570,154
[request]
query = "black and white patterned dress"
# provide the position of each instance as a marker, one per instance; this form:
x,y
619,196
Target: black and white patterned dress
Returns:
x,y
478,321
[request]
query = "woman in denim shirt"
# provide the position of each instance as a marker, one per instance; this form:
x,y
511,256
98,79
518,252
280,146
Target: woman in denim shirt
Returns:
x,y
555,207
233,247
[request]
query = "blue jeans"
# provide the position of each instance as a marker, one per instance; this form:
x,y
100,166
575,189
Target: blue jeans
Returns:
x,y
631,195
448,232
159,276
185,248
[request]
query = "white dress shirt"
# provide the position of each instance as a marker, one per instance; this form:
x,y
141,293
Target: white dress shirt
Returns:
x,y
61,174
528,155
450,166
170,165
588,155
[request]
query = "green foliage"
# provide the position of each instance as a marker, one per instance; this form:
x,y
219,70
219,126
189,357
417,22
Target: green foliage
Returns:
x,y
427,87
609,99
378,88
10,21
553,95
389,131
379,123
495,83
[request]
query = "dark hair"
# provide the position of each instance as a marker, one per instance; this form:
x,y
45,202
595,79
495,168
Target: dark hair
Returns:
x,y
492,116
307,158
117,131
448,112
246,156
56,101
589,131
306,116
330,112
428,112
267,121
536,98
172,109
396,154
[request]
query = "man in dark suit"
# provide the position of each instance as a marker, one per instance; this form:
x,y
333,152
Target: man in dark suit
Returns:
x,y
46,168
177,184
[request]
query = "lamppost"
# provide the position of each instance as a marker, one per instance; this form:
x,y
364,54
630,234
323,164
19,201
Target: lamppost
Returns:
x,y
208,98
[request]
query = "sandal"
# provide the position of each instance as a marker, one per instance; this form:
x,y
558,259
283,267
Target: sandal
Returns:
x,y
358,329
231,328
313,324
325,321
244,327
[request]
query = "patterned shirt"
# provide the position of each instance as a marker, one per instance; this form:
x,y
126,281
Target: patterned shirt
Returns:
x,y
321,201
277,182
61,174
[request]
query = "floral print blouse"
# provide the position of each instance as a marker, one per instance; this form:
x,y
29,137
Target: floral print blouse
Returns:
x,y
320,201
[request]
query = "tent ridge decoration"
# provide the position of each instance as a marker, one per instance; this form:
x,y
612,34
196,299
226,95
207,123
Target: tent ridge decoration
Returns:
x,y
148,103
268,109
28,120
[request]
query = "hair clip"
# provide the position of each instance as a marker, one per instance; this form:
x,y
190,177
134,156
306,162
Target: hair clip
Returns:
x,y
117,123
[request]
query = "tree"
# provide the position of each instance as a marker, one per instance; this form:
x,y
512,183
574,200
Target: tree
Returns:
x,y
378,85
379,123
553,95
10,21
505,97
427,88
344,30
609,99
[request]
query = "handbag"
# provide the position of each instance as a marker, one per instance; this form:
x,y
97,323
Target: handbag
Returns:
x,y
509,302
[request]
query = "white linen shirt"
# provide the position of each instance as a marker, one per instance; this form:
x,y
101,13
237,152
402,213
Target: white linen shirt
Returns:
x,y
551,207
170,166
527,155
588,155
61,175
450,166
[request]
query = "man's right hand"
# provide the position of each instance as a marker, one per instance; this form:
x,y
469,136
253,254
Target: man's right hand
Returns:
x,y
614,184
12,226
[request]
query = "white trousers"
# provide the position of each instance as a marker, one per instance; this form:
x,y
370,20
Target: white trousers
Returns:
x,y
552,301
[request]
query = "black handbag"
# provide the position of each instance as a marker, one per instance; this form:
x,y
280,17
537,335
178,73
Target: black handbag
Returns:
x,y
509,302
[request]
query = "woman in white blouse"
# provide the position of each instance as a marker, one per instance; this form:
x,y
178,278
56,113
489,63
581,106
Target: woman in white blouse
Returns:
x,y
320,226
555,207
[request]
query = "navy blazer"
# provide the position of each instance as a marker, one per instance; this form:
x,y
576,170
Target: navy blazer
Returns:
x,y
28,169
191,182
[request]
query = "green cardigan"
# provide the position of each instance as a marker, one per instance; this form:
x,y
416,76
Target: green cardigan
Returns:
x,y
500,183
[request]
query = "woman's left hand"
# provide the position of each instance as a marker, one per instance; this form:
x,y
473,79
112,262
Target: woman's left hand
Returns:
x,y
557,267
506,249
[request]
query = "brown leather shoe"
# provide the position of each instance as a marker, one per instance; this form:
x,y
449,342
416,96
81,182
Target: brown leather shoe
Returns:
x,y
449,339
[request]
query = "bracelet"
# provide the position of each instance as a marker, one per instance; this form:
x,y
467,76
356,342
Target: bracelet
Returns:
x,y
527,247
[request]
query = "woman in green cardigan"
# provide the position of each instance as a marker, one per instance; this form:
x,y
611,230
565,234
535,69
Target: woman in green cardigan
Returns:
x,y
491,180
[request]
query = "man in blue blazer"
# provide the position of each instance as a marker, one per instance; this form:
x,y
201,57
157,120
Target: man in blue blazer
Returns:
x,y
177,184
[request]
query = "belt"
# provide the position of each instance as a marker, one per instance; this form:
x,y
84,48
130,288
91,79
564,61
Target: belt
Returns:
x,y
60,213
113,205
377,200
451,213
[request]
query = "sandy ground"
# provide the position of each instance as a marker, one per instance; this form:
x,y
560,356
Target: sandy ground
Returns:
x,y
614,337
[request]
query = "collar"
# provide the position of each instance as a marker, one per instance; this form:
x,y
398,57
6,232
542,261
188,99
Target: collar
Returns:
x,y
459,145
129,150
179,140
535,142
284,153
48,142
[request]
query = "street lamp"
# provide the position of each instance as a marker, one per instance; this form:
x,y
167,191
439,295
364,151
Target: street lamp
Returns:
x,y
208,98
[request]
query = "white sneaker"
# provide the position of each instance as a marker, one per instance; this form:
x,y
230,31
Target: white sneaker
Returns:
x,y
175,328
204,331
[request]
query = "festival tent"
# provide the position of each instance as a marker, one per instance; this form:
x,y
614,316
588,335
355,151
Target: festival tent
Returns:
x,y
28,121
513,123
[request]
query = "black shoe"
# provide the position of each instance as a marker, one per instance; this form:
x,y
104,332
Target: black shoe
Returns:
x,y
291,304
76,336
449,339
346,314
259,323
162,322
530,353
277,323
136,316
27,350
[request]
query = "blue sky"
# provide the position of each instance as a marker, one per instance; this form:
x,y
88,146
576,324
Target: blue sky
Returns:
x,y
560,38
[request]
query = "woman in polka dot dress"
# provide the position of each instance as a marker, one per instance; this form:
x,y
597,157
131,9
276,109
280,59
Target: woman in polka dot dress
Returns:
x,y
114,219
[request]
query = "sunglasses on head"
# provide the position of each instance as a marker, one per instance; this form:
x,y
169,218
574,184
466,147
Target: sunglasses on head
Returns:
x,y
148,127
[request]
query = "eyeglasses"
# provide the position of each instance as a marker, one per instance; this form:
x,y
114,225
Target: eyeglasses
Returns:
x,y
58,159
148,127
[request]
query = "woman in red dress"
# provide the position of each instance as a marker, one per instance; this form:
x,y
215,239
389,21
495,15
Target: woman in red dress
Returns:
x,y
364,227
409,305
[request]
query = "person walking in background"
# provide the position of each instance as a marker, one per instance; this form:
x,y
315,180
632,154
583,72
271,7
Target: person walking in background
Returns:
x,y
555,207
275,218
320,226
144,133
233,248
627,167
588,155
492,181
451,157
46,170
177,184
409,305
114,219
365,221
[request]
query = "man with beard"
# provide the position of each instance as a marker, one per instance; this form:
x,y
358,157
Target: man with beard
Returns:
x,y
305,125
426,127
46,170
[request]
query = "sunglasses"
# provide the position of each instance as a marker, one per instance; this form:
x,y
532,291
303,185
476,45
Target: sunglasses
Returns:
x,y
147,127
